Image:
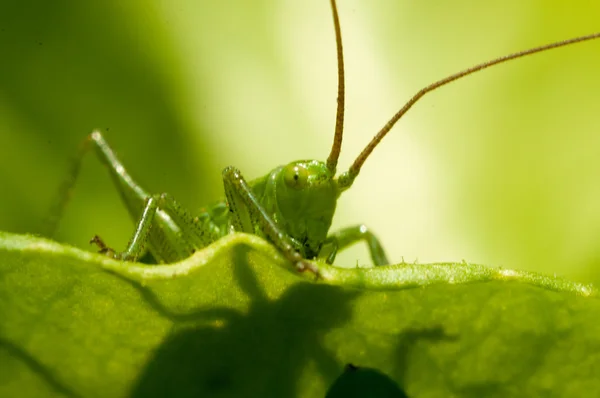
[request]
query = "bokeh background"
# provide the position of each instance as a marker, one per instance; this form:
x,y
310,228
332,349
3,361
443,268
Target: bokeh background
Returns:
x,y
502,168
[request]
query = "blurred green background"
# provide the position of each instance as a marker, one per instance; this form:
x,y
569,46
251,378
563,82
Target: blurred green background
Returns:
x,y
501,168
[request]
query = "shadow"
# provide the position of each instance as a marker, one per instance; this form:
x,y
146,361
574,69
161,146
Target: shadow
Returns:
x,y
357,382
217,352
154,302
408,340
262,352
360,381
36,367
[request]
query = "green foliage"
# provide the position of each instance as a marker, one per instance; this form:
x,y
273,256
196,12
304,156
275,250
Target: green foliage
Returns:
x,y
501,168
236,320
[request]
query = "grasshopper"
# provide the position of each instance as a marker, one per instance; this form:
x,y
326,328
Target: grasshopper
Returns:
x,y
292,206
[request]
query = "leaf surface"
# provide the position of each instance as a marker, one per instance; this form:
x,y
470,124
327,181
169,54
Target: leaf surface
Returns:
x,y
236,320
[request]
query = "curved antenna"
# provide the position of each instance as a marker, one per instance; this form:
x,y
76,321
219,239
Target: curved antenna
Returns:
x,y
332,160
346,179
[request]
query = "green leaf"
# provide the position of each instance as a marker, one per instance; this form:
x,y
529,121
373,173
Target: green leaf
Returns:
x,y
236,320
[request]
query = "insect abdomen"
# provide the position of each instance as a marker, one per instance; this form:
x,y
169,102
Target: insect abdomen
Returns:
x,y
213,222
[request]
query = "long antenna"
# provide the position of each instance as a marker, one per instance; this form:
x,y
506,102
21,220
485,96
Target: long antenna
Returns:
x,y
346,179
332,160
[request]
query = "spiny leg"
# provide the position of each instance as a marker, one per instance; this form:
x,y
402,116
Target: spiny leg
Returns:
x,y
137,243
248,214
184,243
197,231
132,194
343,238
164,237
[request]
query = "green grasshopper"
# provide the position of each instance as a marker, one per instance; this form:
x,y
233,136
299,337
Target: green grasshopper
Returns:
x,y
292,206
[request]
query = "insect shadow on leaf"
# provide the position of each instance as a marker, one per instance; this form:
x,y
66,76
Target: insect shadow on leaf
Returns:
x,y
409,338
358,379
257,352
357,382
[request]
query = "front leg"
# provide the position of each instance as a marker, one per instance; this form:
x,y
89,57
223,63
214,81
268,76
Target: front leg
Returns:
x,y
345,237
247,213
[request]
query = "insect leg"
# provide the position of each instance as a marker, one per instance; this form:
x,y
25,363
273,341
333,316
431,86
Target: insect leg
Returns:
x,y
137,243
133,195
343,238
248,215
164,238
177,247
198,231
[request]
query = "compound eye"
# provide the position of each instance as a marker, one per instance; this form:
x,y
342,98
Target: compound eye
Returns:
x,y
295,176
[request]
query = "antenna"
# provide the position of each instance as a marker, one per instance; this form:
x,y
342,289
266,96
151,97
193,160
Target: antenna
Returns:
x,y
346,179
332,160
